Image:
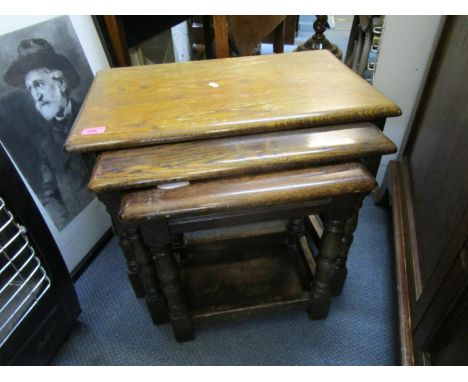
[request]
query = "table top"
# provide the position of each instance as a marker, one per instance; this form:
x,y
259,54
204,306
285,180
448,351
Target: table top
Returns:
x,y
248,191
155,104
252,153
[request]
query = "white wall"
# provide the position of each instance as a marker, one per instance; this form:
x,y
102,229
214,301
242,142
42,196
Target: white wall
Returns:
x,y
181,42
406,51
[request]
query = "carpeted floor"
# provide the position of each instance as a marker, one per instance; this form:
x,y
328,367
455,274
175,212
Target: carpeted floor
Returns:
x,y
114,327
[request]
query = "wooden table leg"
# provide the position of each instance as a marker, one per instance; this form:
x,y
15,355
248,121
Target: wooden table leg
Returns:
x,y
330,248
221,36
112,203
154,296
341,271
318,40
157,238
278,42
132,266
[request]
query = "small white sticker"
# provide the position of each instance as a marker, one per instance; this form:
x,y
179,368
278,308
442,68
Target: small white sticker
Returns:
x,y
213,84
170,186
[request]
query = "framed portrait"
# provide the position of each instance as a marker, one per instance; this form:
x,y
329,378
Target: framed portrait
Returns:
x,y
47,64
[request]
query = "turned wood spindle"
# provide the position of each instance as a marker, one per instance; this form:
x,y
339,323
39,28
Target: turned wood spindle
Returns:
x,y
341,271
330,248
318,41
154,295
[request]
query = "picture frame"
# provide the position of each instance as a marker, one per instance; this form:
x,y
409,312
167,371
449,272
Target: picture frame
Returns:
x,y
40,53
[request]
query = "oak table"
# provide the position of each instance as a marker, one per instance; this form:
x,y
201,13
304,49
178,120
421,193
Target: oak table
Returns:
x,y
155,104
207,120
233,286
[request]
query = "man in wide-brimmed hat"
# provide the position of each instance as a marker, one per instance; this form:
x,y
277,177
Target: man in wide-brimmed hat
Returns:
x,y
49,78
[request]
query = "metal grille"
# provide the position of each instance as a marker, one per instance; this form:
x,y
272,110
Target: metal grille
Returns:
x,y
23,281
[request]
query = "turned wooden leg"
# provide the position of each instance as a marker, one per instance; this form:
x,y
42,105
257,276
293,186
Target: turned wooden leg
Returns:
x,y
329,249
154,296
156,236
278,42
132,266
112,202
341,270
167,272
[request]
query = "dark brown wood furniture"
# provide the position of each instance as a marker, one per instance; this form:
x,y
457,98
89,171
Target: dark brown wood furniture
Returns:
x,y
254,30
122,32
147,105
241,35
220,35
253,150
336,191
214,158
227,36
428,186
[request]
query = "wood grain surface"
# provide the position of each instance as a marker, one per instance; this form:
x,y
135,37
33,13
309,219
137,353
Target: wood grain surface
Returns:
x,y
149,166
154,104
248,191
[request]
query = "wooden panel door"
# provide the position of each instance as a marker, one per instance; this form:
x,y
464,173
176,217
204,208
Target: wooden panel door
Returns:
x,y
438,152
430,205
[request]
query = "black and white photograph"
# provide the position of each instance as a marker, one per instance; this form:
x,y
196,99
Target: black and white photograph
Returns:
x,y
44,78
